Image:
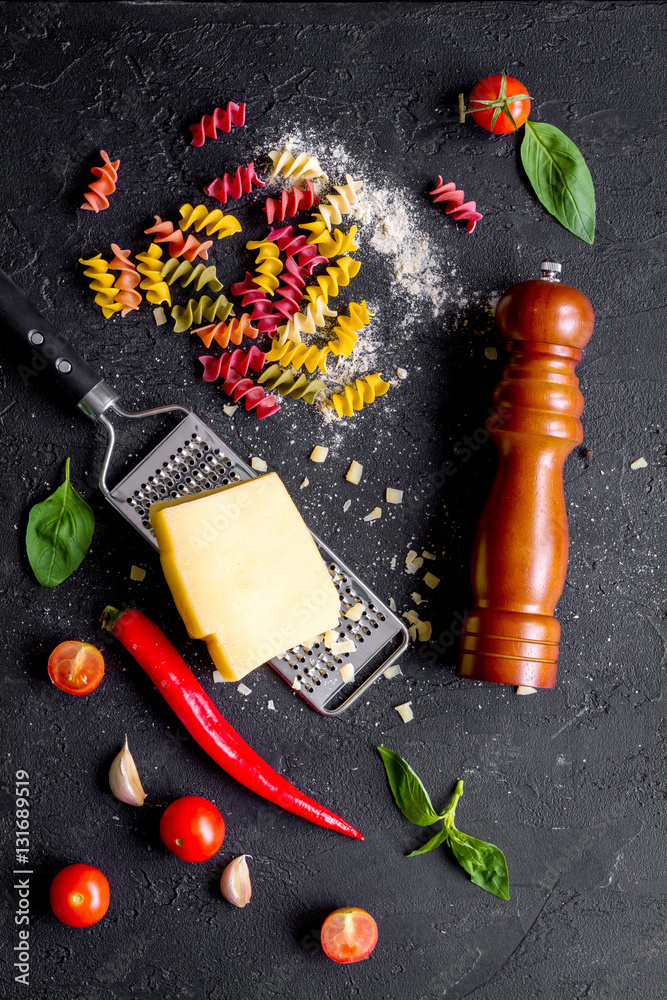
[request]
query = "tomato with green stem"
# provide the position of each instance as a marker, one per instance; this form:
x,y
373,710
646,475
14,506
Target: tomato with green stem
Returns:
x,y
499,104
76,667
192,828
79,895
348,935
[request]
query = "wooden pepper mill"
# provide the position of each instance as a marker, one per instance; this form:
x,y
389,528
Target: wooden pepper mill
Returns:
x,y
519,560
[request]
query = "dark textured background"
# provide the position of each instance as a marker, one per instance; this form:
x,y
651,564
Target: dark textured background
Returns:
x,y
571,783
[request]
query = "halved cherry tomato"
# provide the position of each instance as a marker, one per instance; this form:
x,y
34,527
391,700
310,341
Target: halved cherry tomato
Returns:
x,y
496,100
79,895
192,828
76,667
349,934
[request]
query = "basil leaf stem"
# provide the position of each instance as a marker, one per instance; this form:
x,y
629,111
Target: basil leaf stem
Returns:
x,y
60,530
560,178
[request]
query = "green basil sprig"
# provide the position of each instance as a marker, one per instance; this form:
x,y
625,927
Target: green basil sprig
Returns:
x,y
60,530
485,863
560,178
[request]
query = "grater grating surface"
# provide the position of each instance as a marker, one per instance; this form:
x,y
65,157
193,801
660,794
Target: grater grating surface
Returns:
x,y
192,458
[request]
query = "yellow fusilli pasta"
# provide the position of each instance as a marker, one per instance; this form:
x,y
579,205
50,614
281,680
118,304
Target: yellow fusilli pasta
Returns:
x,y
150,265
328,243
102,283
346,328
214,221
356,396
339,204
270,265
336,277
299,355
307,322
295,167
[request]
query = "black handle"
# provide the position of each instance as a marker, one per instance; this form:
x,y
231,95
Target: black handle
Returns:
x,y
46,349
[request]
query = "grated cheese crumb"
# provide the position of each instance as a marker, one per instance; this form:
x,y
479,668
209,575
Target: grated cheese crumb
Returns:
x,y
413,566
639,463
491,353
424,631
392,604
411,556
331,638
374,514
411,616
159,316
346,506
393,496
353,474
355,612
524,689
304,483
137,573
427,555
391,672
405,711
244,689
417,598
217,677
392,564
431,581
346,646
229,411
271,707
319,453
401,373
296,684
258,464
412,631
347,672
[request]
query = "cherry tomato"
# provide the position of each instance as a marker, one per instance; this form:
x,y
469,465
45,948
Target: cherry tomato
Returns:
x,y
502,98
349,934
76,667
192,828
79,895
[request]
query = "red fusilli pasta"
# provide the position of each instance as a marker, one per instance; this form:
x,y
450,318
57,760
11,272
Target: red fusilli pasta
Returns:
x,y
179,246
290,202
254,396
458,209
233,186
127,280
234,114
95,198
238,361
307,253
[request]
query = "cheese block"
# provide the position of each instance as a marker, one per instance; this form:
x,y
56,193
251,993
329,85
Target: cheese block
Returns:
x,y
244,572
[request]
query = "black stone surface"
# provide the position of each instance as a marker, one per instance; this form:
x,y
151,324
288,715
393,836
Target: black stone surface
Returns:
x,y
571,784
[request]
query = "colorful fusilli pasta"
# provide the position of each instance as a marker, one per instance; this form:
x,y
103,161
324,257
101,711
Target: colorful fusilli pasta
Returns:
x,y
269,265
186,273
299,356
233,186
336,277
238,361
198,310
279,380
97,268
356,396
95,198
214,222
307,255
189,248
254,396
233,114
227,333
290,202
127,281
339,204
459,210
347,327
333,244
307,322
296,167
150,265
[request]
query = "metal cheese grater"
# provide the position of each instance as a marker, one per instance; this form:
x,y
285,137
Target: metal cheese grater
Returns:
x,y
192,458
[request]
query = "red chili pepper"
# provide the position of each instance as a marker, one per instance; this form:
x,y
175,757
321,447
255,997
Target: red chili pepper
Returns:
x,y
177,684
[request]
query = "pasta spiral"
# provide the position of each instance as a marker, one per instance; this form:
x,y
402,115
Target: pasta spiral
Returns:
x,y
238,360
363,392
254,396
346,328
95,198
296,167
290,203
331,244
339,204
287,384
307,322
214,222
299,356
290,292
189,248
269,265
97,269
186,273
306,254
197,310
234,114
150,265
127,280
226,333
233,186
458,210
336,277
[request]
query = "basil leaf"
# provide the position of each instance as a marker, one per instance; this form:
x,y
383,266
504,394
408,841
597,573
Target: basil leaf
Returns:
x,y
411,797
440,838
60,530
560,178
485,863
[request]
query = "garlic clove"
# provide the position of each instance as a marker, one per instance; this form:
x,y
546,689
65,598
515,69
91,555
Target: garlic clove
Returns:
x,y
235,882
124,779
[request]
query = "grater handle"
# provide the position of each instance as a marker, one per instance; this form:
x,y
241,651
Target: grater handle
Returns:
x,y
48,351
